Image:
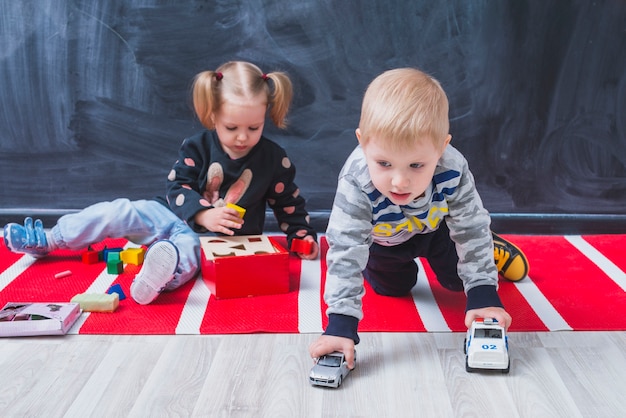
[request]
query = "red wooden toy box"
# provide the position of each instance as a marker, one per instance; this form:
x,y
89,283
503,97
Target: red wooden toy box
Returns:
x,y
244,266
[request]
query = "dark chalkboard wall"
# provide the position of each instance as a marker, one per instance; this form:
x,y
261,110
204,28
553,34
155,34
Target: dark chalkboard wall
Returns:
x,y
94,95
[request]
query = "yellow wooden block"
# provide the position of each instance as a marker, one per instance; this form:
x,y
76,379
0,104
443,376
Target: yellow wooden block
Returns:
x,y
133,256
241,211
97,302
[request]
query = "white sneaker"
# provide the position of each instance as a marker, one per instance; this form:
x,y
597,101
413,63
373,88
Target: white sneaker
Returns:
x,y
158,270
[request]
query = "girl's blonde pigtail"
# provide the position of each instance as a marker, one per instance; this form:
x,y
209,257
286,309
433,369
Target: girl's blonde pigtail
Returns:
x,y
280,99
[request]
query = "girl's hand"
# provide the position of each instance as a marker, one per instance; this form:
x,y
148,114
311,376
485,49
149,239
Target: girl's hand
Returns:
x,y
222,220
315,249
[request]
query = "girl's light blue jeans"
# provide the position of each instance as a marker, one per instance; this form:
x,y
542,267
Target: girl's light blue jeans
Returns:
x,y
141,222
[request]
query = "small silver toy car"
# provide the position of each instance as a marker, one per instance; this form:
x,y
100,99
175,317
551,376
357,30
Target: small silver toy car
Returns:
x,y
329,370
486,346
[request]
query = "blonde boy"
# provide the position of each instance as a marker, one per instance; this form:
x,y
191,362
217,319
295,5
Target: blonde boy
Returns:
x,y
404,192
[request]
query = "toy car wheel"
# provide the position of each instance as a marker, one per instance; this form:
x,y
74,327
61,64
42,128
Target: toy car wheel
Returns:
x,y
465,346
467,367
508,368
339,381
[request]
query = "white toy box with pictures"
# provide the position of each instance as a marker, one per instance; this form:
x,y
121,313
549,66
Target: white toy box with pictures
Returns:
x,y
24,319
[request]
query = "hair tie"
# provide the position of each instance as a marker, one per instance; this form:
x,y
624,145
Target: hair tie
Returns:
x,y
219,76
264,77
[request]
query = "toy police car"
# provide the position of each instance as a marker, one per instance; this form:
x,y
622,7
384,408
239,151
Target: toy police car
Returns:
x,y
486,346
329,370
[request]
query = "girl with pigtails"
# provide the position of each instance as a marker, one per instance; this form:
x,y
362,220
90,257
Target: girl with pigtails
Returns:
x,y
232,162
228,162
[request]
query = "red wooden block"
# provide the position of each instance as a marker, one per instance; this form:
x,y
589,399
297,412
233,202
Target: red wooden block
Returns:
x,y
234,276
300,246
90,257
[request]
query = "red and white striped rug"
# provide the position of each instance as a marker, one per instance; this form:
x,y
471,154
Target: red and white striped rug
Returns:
x,y
575,283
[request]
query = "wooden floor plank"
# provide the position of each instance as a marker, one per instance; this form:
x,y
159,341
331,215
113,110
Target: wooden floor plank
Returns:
x,y
556,374
176,380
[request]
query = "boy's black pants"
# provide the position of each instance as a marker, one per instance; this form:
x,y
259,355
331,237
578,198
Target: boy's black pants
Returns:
x,y
391,271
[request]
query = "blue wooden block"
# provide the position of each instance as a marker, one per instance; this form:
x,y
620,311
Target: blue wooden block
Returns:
x,y
117,288
106,251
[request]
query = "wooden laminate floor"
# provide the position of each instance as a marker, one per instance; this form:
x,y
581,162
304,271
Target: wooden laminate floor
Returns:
x,y
557,374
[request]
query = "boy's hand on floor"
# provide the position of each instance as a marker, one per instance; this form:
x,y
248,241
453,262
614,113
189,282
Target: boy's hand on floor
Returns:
x,y
327,344
503,317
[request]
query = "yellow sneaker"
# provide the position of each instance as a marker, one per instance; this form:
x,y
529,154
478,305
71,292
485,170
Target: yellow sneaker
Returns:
x,y
510,260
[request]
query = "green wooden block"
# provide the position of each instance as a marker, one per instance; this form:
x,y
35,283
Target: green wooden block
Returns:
x,y
113,256
115,267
